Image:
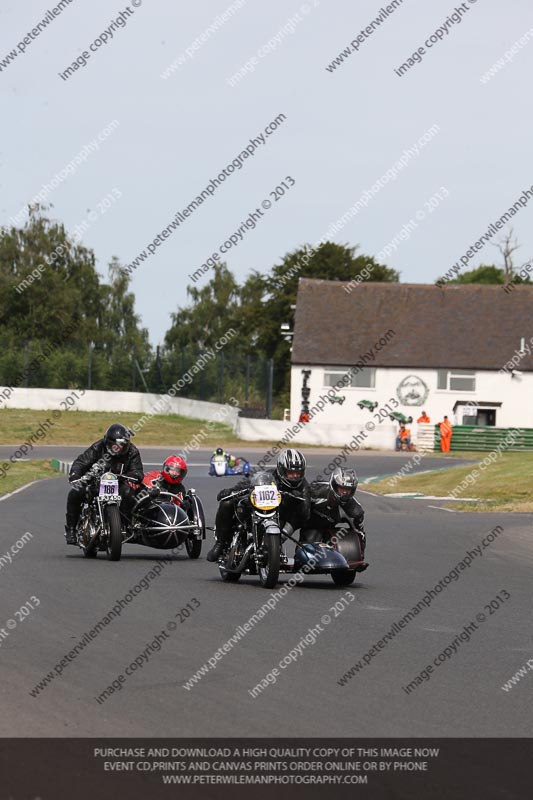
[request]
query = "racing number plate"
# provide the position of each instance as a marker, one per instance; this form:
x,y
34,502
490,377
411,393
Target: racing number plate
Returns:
x,y
265,497
108,487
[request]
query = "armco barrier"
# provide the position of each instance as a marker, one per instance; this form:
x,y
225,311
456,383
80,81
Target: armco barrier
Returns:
x,y
60,466
476,437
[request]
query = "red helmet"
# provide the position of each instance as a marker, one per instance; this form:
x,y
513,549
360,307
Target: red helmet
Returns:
x,y
174,469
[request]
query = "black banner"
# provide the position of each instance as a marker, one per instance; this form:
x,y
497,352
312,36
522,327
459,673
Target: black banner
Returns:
x,y
150,769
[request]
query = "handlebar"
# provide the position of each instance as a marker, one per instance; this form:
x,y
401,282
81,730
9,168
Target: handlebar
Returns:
x,y
169,494
247,491
97,472
235,494
289,494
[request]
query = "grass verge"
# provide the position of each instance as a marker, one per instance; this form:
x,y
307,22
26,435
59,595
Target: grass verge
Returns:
x,y
22,472
84,427
504,485
76,427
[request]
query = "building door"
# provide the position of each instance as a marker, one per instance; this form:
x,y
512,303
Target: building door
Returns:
x,y
486,416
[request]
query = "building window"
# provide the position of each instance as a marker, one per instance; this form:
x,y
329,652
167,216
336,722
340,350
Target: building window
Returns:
x,y
456,380
362,379
475,413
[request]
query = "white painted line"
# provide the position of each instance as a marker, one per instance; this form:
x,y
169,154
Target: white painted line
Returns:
x,y
451,510
448,499
21,489
189,464
403,495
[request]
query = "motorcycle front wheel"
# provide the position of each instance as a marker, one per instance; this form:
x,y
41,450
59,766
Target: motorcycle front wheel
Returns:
x,y
269,569
114,538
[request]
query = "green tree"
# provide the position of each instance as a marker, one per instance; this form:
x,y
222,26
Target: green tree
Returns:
x,y
485,273
48,281
53,301
212,313
255,310
118,337
329,261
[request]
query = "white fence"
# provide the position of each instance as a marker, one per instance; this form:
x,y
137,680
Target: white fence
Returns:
x,y
137,402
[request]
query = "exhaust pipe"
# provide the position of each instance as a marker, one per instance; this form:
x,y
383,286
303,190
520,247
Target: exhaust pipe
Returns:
x,y
244,561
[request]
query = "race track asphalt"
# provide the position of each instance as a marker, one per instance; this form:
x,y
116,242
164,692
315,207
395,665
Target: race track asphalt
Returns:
x,y
411,546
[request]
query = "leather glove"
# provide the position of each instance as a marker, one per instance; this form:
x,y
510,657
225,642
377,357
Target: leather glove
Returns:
x,y
154,492
223,494
287,528
77,484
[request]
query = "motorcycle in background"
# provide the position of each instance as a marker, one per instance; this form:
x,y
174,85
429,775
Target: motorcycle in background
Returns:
x,y
219,466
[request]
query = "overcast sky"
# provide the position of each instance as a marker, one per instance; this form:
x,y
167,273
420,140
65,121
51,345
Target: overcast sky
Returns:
x,y
343,130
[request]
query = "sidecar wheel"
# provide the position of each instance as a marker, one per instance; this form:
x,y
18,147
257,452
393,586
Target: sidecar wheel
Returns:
x,y
343,577
194,546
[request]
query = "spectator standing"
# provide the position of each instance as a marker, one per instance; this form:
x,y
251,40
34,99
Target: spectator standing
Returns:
x,y
446,431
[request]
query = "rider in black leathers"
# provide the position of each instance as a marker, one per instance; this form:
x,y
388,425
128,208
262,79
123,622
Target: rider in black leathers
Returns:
x,y
295,504
331,502
113,453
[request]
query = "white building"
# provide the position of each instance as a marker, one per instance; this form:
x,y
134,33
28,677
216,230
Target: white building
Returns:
x,y
461,350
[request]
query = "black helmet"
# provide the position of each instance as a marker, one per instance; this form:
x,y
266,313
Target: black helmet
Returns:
x,y
219,451
342,486
116,439
291,468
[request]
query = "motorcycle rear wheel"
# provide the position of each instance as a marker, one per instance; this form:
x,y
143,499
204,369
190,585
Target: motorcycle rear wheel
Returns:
x,y
114,540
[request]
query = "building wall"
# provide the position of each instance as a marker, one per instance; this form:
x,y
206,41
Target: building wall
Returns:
x,y
289,434
514,393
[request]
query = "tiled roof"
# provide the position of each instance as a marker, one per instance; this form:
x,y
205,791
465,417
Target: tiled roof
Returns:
x,y
461,326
